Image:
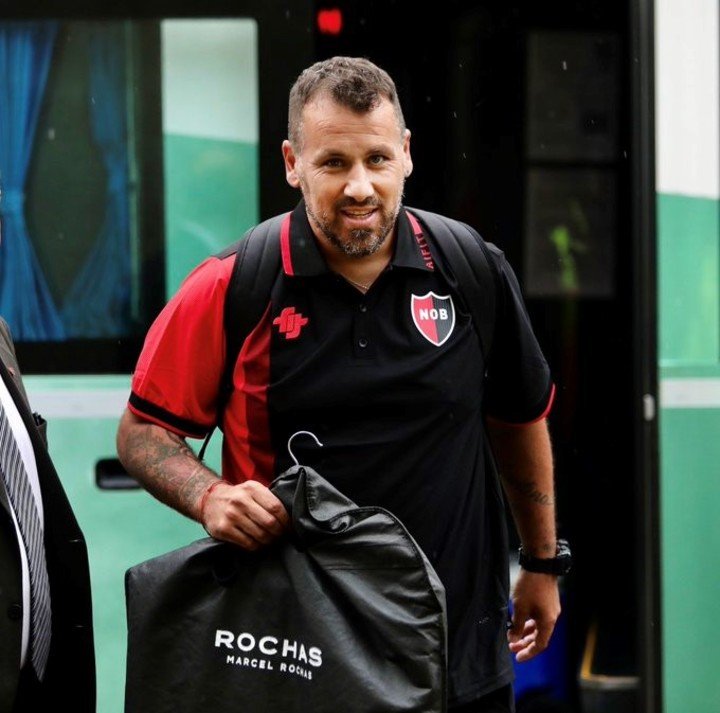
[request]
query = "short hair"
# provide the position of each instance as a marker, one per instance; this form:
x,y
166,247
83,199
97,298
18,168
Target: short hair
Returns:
x,y
352,82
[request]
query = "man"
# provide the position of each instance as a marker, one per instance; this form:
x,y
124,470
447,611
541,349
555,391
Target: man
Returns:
x,y
47,661
341,352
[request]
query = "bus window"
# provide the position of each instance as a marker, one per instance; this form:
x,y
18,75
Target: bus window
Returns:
x,y
130,153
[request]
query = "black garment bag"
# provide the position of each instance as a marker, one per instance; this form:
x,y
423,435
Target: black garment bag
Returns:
x,y
344,614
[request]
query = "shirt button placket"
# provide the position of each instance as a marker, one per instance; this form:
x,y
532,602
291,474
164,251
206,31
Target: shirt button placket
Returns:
x,y
362,330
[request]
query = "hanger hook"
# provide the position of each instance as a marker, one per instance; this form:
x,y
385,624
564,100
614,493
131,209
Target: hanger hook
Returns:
x,y
300,433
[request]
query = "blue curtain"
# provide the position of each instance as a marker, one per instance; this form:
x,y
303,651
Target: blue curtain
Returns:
x,y
25,300
98,303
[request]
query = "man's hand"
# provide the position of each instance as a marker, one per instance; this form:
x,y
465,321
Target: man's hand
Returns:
x,y
248,515
536,608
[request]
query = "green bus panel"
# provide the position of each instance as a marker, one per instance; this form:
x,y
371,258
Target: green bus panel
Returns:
x,y
211,188
689,309
690,510
121,527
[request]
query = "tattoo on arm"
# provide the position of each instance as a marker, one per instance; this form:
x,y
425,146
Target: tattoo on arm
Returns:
x,y
530,491
168,468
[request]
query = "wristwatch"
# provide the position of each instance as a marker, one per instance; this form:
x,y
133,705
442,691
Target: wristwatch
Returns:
x,y
559,564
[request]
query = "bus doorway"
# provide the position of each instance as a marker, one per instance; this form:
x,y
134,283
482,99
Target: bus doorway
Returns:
x,y
532,122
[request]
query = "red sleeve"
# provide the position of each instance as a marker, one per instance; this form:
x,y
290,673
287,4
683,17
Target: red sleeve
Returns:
x,y
178,374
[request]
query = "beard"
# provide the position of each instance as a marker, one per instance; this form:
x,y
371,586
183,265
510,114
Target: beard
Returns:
x,y
361,242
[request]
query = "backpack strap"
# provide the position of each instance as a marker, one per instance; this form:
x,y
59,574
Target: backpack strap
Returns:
x,y
472,273
257,263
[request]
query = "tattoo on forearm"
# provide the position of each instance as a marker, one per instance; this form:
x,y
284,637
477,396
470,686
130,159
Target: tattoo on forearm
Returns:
x,y
168,468
530,491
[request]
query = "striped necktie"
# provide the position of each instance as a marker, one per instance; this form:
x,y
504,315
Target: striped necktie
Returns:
x,y
17,485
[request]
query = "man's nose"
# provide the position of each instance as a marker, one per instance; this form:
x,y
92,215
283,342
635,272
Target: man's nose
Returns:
x,y
359,186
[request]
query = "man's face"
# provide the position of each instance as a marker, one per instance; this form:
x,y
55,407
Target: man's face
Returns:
x,y
351,169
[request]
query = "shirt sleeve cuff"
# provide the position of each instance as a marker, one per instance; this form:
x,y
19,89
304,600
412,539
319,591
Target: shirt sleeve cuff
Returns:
x,y
155,414
549,401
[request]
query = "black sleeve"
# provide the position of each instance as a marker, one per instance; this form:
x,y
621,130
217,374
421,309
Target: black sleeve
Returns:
x,y
519,387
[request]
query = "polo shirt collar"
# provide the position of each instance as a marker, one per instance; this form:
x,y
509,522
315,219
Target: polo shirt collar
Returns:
x,y
411,248
303,256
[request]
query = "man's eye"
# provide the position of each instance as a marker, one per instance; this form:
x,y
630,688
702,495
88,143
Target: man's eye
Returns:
x,y
333,163
377,159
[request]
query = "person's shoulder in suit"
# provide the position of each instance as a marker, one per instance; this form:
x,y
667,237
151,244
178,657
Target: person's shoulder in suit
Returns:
x,y
9,358
5,334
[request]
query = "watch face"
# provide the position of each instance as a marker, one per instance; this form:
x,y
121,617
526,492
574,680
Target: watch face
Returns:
x,y
564,563
564,557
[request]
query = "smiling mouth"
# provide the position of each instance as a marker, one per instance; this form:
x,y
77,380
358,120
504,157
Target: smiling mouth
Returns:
x,y
358,215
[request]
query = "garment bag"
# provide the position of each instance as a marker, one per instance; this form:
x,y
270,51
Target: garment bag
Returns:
x,y
343,614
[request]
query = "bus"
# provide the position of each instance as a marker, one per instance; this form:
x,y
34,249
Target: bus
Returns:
x,y
581,138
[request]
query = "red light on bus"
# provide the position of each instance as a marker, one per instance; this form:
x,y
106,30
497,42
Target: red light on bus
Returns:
x,y
330,21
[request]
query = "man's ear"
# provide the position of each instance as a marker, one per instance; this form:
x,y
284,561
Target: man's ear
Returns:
x,y
290,158
407,158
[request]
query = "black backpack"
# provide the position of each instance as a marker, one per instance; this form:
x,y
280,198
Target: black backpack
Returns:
x,y
466,264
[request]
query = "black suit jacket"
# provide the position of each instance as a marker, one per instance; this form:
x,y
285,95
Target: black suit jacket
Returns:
x,y
69,682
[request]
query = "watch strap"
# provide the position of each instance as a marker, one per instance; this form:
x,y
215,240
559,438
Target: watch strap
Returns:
x,y
558,565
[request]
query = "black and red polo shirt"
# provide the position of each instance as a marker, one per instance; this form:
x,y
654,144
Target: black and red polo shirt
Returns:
x,y
393,384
